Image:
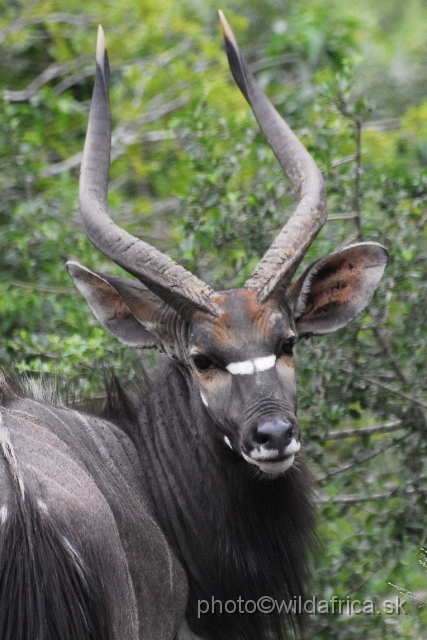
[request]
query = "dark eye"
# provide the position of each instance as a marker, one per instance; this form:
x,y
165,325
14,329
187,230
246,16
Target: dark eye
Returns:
x,y
203,363
287,347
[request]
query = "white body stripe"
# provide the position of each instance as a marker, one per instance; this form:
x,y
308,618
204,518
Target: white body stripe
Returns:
x,y
9,453
246,367
3,514
42,505
204,400
227,442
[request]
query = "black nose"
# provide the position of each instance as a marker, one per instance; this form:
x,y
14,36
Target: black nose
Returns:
x,y
276,434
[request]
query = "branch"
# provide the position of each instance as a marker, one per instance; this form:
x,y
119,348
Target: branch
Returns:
x,y
345,160
74,79
165,207
342,216
385,345
79,20
274,61
422,222
361,459
348,240
358,171
402,394
59,167
53,71
41,287
362,497
123,136
382,125
356,157
340,434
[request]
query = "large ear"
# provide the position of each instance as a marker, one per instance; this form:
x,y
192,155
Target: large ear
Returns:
x,y
335,289
125,307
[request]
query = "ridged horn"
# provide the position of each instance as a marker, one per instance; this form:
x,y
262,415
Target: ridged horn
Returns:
x,y
275,271
172,283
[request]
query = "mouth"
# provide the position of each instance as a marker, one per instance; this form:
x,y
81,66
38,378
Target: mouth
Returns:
x,y
274,468
269,461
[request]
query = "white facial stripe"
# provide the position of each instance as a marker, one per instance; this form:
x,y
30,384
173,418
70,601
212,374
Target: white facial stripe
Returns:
x,y
241,368
246,367
204,400
262,364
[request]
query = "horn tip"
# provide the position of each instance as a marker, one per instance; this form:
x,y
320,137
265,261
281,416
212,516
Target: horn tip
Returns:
x,y
226,29
101,47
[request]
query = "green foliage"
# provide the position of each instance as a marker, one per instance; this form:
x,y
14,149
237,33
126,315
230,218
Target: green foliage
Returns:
x,y
192,174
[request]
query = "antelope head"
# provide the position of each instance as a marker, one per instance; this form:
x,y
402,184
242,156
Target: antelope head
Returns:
x,y
236,344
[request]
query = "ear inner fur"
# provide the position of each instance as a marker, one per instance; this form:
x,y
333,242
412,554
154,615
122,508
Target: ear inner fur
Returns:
x,y
335,289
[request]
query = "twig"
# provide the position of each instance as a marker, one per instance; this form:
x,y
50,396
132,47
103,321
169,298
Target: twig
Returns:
x,y
382,125
59,167
124,135
357,498
79,20
348,240
342,216
422,222
361,459
340,434
53,71
357,123
358,171
74,79
345,160
41,287
402,394
385,345
274,61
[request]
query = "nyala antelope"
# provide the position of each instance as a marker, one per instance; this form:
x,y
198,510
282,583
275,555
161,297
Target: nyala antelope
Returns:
x,y
197,492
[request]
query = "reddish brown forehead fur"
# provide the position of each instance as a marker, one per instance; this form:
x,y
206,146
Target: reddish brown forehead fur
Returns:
x,y
241,313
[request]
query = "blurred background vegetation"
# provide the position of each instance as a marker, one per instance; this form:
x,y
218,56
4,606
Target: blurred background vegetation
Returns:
x,y
192,175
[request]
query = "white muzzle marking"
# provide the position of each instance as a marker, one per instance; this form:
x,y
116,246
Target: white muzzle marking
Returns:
x,y
266,459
